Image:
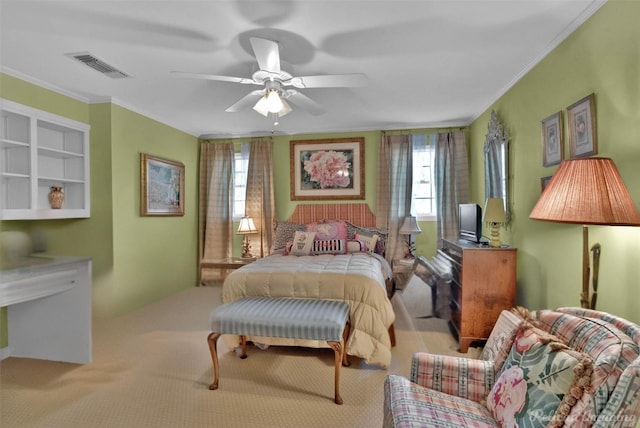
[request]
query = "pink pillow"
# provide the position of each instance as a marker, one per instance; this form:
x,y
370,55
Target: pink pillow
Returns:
x,y
329,230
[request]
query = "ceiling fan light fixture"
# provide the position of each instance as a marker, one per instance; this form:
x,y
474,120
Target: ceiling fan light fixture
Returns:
x,y
272,102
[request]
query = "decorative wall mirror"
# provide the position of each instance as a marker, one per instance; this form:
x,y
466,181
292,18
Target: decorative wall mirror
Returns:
x,y
496,162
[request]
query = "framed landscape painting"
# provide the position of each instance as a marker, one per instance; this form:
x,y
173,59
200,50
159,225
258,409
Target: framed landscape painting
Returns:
x,y
327,169
161,186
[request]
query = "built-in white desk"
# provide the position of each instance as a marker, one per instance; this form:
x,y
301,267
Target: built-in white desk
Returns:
x,y
48,302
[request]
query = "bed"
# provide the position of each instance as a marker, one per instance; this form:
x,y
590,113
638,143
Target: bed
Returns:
x,y
358,277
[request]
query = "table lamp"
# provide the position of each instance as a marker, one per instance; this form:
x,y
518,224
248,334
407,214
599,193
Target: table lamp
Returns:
x,y
410,227
494,214
246,227
587,191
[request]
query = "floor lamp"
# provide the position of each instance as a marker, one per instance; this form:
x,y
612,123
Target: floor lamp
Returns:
x,y
587,191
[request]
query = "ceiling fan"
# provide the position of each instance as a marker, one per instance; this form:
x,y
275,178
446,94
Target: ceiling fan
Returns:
x,y
273,97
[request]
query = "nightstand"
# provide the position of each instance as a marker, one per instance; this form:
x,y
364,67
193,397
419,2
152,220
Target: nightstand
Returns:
x,y
228,263
402,272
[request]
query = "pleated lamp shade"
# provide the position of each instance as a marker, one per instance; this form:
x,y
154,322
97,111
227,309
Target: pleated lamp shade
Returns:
x,y
587,191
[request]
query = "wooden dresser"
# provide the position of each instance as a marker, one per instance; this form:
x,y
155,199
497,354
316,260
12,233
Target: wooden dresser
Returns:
x,y
484,284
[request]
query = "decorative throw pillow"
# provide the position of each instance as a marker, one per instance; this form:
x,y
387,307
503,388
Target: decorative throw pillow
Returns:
x,y
369,241
355,246
302,243
352,230
501,339
329,246
329,230
540,381
283,233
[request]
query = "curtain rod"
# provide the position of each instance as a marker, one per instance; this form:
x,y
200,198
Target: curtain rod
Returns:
x,y
423,130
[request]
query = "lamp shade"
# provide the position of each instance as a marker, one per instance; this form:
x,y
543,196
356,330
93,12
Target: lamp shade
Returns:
x,y
494,211
272,102
410,226
587,191
246,226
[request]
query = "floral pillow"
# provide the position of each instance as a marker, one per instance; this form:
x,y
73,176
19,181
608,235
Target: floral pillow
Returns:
x,y
329,230
540,381
302,243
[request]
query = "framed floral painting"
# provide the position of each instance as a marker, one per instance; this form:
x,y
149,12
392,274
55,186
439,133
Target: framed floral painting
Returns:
x,y
552,140
327,169
583,138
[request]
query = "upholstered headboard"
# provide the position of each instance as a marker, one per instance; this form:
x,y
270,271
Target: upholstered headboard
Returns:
x,y
358,214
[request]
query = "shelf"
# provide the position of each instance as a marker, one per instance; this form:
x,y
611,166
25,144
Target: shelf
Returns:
x,y
11,144
54,180
11,175
61,154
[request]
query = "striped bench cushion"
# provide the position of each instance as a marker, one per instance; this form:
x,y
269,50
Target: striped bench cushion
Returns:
x,y
283,317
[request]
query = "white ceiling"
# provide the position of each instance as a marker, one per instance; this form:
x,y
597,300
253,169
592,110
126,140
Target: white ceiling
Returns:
x,y
428,63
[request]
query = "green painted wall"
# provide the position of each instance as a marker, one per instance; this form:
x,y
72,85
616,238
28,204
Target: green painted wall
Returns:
x,y
601,57
136,260
153,256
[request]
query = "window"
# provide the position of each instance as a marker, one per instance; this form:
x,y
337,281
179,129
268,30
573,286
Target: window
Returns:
x,y
240,167
423,198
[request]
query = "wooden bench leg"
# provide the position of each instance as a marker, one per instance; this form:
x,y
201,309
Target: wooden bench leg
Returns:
x,y
345,337
338,350
243,346
212,340
392,335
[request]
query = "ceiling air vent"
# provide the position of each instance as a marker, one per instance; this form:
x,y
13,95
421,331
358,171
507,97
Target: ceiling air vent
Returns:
x,y
97,64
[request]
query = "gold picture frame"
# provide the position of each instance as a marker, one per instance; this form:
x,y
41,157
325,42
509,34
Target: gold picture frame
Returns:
x,y
583,139
552,140
330,169
161,186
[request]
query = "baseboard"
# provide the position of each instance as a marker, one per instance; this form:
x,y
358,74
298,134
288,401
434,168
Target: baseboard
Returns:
x,y
5,353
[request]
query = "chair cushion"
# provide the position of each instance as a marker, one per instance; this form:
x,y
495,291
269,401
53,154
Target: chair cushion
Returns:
x,y
540,381
410,405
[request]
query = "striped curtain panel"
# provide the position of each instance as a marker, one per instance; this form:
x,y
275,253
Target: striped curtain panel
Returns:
x,y
394,187
215,219
260,199
452,181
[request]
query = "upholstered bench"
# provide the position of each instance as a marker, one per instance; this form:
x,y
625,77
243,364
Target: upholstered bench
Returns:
x,y
289,318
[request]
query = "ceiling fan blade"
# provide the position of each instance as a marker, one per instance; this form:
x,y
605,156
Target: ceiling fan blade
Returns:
x,y
267,54
246,101
328,81
231,79
304,102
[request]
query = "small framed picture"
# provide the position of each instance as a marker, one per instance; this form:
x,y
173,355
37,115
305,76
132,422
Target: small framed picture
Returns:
x,y
161,186
552,140
582,128
544,181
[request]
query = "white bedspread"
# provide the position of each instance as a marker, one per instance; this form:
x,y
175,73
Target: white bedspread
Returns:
x,y
357,278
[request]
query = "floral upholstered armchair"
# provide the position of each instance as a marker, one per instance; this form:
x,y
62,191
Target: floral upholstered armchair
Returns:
x,y
565,367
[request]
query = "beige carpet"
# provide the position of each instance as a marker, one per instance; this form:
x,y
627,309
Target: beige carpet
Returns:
x,y
151,368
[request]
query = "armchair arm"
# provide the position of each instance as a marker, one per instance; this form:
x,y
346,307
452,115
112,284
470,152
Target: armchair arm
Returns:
x,y
462,377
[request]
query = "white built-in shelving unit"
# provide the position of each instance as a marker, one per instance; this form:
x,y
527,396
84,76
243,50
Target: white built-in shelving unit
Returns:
x,y
39,150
